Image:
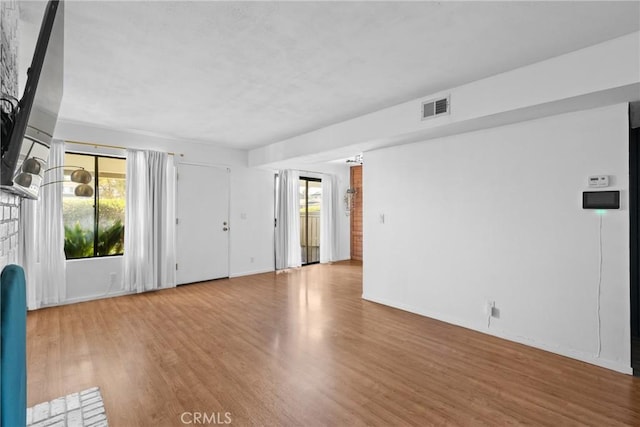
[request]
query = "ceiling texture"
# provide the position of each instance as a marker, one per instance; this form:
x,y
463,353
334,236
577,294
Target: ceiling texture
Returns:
x,y
247,74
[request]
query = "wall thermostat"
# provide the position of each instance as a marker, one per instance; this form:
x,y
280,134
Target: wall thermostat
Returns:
x,y
599,181
601,200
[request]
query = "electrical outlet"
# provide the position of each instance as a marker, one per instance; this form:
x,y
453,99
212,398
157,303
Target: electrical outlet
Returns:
x,y
489,308
495,312
251,260
112,278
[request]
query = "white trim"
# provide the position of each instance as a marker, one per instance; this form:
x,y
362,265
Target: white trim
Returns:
x,y
148,134
93,150
206,165
573,354
91,298
251,273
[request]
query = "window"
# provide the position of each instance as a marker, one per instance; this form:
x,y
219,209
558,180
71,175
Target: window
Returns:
x,y
310,201
94,226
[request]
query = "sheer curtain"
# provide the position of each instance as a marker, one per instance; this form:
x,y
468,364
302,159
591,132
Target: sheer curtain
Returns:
x,y
149,241
288,253
42,237
329,219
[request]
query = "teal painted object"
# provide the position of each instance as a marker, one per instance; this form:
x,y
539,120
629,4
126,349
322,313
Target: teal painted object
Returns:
x,y
13,339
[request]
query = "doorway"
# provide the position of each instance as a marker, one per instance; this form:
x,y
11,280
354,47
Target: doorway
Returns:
x,y
310,205
634,229
202,230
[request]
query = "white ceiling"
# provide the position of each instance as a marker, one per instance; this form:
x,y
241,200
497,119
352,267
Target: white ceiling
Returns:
x,y
246,74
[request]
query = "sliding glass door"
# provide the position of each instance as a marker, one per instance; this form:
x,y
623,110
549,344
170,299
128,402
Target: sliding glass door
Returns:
x,y
310,205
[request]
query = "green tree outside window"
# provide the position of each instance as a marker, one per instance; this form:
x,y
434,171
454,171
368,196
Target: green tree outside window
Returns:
x,y
94,226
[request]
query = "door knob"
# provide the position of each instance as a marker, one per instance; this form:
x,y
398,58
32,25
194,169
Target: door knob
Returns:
x,y
225,228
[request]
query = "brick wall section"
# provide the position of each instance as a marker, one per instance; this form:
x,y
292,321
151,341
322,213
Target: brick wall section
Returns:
x,y
356,214
85,408
9,214
9,49
9,204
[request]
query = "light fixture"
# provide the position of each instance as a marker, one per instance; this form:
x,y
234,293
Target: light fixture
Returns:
x,y
33,166
348,198
79,176
358,159
24,179
83,190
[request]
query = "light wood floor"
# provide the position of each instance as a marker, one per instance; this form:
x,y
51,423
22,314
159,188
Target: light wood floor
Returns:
x,y
303,348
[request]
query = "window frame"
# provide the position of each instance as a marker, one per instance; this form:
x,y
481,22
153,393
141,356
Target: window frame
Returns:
x,y
96,205
308,179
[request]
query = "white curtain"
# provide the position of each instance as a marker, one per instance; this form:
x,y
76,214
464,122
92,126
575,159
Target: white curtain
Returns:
x,y
42,237
288,252
149,240
329,219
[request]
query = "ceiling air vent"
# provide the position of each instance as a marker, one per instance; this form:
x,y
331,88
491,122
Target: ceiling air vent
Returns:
x,y
435,107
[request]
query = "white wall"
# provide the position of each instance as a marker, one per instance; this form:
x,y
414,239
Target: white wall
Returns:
x,y
251,221
497,215
343,175
94,278
251,206
251,194
254,234
599,75
187,151
344,221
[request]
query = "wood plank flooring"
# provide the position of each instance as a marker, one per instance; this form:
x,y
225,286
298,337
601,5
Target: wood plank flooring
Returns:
x,y
303,348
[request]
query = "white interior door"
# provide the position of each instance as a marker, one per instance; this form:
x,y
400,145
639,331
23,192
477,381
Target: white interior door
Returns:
x,y
203,228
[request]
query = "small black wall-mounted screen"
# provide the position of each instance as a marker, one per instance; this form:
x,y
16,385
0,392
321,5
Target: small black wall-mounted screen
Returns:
x,y
601,200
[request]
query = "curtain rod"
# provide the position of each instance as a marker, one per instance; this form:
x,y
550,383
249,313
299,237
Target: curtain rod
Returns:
x,y
305,171
117,147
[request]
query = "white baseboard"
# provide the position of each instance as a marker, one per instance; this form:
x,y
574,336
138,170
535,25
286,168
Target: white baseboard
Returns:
x,y
571,353
89,298
266,270
250,273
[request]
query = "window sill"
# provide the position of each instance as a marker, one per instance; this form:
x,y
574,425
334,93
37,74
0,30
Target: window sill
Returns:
x,y
92,258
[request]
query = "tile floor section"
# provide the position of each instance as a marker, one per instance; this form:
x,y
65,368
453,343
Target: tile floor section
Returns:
x,y
83,409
